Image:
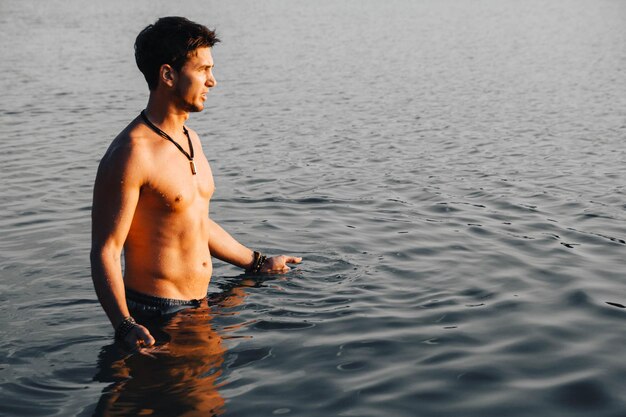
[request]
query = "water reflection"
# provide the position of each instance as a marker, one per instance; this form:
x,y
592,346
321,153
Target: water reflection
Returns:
x,y
180,375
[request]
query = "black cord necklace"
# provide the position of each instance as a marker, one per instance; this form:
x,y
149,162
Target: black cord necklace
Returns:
x,y
168,137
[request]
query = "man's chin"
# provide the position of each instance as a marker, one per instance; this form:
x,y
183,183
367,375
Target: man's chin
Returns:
x,y
195,108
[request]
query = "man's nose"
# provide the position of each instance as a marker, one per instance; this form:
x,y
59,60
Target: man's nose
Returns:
x,y
211,81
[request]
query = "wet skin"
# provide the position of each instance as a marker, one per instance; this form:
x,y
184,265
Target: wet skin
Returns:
x,y
148,202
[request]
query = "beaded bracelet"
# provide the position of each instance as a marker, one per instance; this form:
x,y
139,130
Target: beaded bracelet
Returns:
x,y
124,328
257,263
260,264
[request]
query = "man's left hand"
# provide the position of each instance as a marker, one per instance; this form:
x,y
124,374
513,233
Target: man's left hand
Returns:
x,y
278,264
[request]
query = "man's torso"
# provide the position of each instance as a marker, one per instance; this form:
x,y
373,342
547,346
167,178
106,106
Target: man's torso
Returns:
x,y
166,251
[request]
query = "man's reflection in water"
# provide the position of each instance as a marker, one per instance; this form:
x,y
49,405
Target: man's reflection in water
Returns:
x,y
179,375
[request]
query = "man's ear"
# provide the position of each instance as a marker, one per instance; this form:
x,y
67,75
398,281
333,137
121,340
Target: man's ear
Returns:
x,y
167,74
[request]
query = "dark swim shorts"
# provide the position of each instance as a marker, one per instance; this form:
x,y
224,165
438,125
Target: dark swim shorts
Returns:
x,y
149,306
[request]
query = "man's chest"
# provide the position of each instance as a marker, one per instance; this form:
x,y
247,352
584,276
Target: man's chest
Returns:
x,y
173,186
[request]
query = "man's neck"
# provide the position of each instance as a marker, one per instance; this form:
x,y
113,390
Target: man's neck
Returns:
x,y
165,115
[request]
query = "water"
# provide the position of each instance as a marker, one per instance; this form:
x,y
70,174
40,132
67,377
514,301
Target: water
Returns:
x,y
451,171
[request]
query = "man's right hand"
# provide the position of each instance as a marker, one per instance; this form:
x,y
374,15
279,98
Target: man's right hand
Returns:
x,y
138,337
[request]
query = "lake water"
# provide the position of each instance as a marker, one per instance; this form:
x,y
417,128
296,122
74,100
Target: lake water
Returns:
x,y
451,171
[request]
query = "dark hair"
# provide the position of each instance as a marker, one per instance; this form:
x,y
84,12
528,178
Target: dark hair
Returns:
x,y
169,40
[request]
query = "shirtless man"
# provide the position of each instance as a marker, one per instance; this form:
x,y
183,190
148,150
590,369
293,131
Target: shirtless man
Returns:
x,y
152,192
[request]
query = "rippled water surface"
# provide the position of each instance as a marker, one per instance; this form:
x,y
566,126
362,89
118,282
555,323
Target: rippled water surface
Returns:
x,y
451,171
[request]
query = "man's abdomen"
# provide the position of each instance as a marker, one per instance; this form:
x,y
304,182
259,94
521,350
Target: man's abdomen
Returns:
x,y
175,266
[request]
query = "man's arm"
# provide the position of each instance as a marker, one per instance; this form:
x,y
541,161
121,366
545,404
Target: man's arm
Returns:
x,y
224,247
116,193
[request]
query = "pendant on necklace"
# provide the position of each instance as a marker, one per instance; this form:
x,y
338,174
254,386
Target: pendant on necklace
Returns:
x,y
193,167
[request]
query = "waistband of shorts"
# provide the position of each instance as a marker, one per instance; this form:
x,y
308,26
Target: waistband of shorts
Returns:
x,y
153,301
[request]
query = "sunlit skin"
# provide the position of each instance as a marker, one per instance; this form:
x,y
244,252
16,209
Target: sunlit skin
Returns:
x,y
148,203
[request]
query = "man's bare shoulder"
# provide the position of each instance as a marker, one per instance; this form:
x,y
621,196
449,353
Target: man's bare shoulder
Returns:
x,y
129,153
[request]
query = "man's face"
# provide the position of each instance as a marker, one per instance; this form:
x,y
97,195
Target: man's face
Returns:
x,y
194,80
